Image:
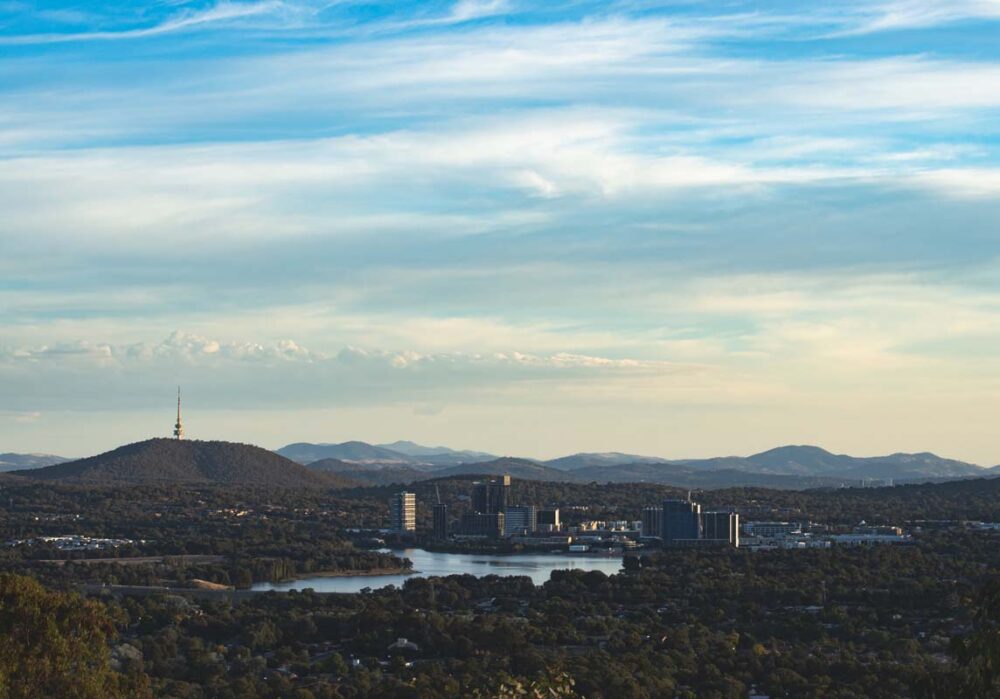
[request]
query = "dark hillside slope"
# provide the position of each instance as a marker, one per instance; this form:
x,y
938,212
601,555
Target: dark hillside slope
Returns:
x,y
369,474
605,459
517,468
188,461
690,477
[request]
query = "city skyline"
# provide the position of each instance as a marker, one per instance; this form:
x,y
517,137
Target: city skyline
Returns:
x,y
676,229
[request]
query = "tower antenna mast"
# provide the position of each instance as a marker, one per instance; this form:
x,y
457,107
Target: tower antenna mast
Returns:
x,y
178,426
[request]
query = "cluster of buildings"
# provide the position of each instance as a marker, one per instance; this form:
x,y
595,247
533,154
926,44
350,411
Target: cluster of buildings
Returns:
x,y
683,523
74,543
673,523
877,482
759,536
492,514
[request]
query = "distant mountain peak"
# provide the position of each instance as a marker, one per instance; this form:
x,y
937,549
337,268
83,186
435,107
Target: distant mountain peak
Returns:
x,y
15,462
398,453
607,458
406,443
793,449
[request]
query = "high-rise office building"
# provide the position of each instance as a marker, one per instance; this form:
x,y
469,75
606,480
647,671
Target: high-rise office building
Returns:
x,y
403,513
499,494
491,496
652,521
490,524
440,521
480,496
548,520
721,527
681,521
520,520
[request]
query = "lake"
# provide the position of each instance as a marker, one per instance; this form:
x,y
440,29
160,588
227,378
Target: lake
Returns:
x,y
537,566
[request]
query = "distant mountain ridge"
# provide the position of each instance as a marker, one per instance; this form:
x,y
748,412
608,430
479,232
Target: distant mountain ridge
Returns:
x,y
397,453
404,462
360,452
814,461
417,450
525,469
15,462
187,461
590,460
792,466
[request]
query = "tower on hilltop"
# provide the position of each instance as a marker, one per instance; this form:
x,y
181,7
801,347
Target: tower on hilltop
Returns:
x,y
178,426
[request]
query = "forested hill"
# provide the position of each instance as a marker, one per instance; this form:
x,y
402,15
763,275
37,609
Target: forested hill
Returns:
x,y
517,468
188,461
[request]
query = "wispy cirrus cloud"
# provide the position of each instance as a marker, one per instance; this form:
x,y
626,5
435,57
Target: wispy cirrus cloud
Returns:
x,y
219,194
473,9
220,12
896,15
21,418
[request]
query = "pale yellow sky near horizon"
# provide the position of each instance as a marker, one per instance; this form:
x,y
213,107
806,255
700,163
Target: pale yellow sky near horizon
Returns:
x,y
501,430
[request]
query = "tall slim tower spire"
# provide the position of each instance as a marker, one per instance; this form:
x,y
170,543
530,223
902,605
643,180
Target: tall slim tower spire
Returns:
x,y
178,427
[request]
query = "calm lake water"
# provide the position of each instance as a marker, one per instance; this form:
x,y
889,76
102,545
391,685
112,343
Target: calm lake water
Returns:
x,y
538,566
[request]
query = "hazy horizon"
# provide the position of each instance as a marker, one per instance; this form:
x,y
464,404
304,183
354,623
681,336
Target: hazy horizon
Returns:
x,y
675,229
703,453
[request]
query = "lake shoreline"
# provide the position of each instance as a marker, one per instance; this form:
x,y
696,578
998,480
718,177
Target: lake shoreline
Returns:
x,y
373,572
427,564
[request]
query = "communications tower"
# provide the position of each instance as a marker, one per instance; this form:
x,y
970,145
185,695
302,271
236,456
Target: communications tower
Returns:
x,y
178,426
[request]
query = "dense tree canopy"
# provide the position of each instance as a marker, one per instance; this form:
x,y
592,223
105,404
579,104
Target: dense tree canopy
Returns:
x,y
917,620
54,644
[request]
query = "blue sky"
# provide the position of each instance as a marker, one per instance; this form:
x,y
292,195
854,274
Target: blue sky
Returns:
x,y
682,228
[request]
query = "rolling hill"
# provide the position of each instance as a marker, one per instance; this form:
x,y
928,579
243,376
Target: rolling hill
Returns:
x,y
813,461
517,468
188,461
914,466
796,467
359,452
397,453
799,460
592,460
438,456
369,474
